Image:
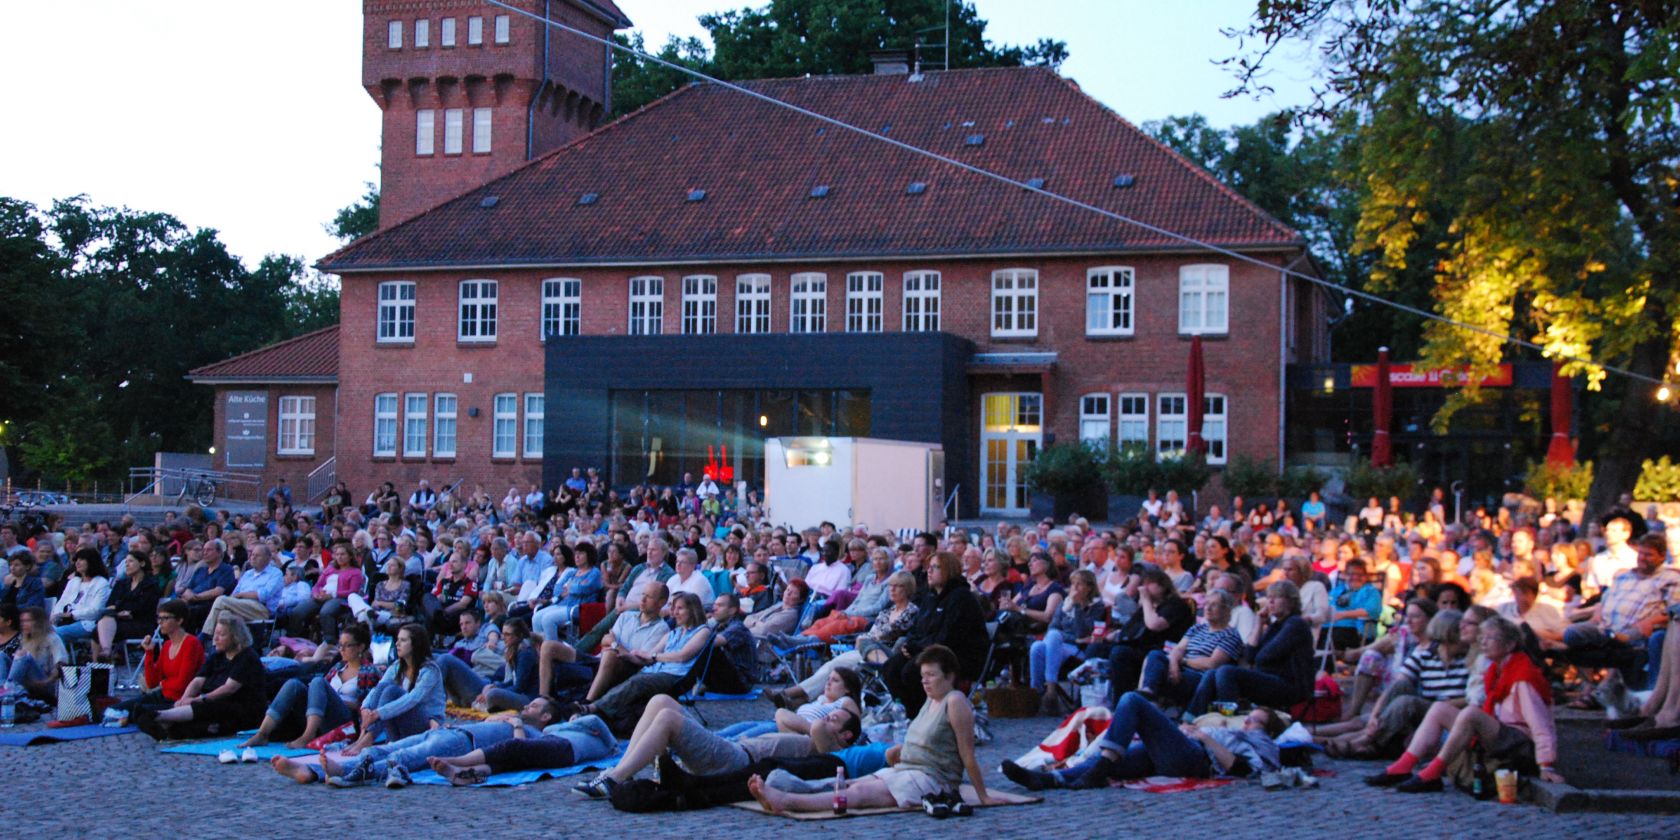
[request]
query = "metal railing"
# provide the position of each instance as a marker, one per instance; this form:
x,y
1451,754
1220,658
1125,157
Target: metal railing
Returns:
x,y
953,504
183,483
321,480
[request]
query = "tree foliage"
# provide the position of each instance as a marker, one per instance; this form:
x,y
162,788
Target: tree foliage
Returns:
x,y
359,219
111,308
787,38
1523,154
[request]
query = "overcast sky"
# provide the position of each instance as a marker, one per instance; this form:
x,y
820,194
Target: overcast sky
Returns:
x,y
250,118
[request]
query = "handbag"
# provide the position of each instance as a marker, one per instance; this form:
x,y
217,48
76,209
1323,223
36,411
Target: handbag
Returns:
x,y
74,684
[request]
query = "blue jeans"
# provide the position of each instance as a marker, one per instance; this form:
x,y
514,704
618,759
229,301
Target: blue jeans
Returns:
x,y
1045,657
412,752
24,667
1162,751
411,722
1230,683
747,729
551,618
1155,679
73,632
316,699
463,685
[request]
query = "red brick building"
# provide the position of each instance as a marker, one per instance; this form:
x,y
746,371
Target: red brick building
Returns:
x,y
710,214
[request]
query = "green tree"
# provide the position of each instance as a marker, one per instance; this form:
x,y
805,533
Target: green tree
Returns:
x,y
359,219
819,37
1535,144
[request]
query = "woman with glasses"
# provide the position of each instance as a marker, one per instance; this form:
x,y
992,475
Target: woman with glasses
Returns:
x,y
325,702
891,625
172,659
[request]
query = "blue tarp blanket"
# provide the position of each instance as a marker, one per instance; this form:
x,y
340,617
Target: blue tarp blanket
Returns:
x,y
214,748
712,696
69,733
525,777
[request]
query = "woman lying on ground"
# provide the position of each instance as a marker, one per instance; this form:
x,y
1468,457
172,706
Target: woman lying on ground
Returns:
x,y
580,740
1516,716
1436,671
1164,749
323,703
937,751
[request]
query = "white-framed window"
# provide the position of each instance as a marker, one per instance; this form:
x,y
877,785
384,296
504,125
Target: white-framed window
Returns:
x,y
443,425
475,30
699,304
504,426
647,305
1213,427
562,306
452,130
422,33
1093,420
385,424
1134,421
1108,300
446,32
808,303
396,311
478,311
393,35
1015,302
1172,424
502,28
864,301
297,426
481,131
1204,295
921,301
533,425
425,131
752,303
414,425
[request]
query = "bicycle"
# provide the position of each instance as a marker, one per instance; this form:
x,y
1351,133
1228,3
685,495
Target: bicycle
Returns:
x,y
201,489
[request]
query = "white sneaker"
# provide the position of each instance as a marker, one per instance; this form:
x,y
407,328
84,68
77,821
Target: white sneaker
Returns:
x,y
249,756
227,757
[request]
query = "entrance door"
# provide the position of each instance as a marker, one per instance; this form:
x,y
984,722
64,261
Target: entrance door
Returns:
x,y
1011,430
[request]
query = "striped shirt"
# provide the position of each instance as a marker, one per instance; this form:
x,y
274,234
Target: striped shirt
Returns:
x,y
1203,640
1435,678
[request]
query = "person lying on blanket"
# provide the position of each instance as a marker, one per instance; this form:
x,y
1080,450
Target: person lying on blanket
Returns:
x,y
812,774
578,741
664,726
1164,749
937,751
397,760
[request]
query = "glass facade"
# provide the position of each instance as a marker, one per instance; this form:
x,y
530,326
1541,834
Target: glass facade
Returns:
x,y
657,435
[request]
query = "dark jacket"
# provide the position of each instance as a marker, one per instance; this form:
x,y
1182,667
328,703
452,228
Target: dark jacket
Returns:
x,y
140,602
952,618
1286,651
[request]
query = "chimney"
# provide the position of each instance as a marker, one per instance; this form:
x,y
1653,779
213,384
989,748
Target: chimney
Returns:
x,y
890,62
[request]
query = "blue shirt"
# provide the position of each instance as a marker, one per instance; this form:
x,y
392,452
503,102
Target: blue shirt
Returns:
x,y
1312,510
31,592
266,583
674,643
523,569
863,760
1367,598
204,580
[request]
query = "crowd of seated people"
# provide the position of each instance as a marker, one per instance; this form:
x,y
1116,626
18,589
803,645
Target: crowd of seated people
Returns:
x,y
583,613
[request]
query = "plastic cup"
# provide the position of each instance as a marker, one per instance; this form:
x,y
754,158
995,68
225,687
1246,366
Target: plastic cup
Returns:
x,y
1506,782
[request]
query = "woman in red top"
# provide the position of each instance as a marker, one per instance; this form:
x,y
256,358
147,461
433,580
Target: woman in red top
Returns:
x,y
172,664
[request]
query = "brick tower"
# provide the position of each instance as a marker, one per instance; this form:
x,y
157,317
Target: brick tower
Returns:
x,y
470,90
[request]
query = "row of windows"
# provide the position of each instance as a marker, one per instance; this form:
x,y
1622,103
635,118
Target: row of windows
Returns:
x,y
407,422
454,130
446,32
1172,423
1203,292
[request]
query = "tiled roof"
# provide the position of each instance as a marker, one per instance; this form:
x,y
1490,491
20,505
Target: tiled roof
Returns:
x,y
607,8
759,166
311,357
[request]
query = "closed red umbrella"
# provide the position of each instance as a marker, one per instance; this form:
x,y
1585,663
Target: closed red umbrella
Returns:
x,y
1382,414
1195,395
1561,453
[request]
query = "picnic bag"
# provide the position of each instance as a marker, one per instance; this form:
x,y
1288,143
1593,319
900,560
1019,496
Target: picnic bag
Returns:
x,y
75,689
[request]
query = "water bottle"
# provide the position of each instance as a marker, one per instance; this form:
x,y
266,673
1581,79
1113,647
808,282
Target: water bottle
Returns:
x,y
8,707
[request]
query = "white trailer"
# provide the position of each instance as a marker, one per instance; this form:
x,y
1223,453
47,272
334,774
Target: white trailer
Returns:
x,y
888,485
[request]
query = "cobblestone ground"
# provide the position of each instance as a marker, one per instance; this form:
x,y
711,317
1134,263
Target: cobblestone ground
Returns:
x,y
123,787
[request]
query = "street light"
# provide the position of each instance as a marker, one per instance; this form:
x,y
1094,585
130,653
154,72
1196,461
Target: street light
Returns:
x,y
1664,392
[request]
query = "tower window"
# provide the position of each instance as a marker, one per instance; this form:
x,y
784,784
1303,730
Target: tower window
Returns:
x,y
393,38
425,131
475,31
446,32
422,33
481,131
452,131
502,27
